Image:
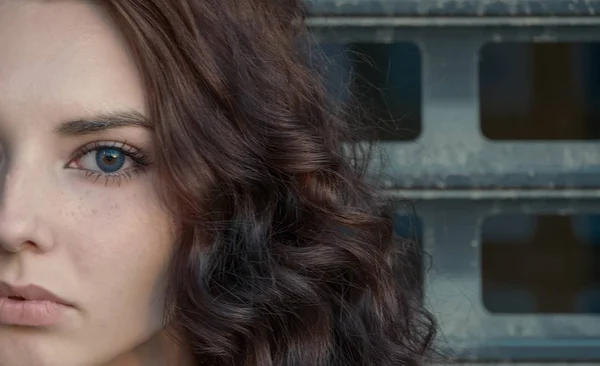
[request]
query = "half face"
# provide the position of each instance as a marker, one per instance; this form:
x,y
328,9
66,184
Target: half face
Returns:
x,y
84,240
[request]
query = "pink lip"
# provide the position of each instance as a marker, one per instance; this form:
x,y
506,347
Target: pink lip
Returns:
x,y
30,305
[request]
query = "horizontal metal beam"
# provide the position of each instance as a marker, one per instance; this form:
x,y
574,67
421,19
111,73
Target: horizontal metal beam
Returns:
x,y
478,8
493,194
439,21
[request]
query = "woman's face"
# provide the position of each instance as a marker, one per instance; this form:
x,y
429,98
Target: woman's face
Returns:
x,y
79,213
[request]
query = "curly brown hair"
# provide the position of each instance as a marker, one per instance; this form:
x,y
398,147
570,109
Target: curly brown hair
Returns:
x,y
285,253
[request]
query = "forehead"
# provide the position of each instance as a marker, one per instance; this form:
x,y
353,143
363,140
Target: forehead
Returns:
x,y
63,53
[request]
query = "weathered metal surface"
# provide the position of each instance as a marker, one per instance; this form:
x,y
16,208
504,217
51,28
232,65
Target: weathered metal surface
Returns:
x,y
560,363
456,177
455,7
380,32
451,151
452,236
346,22
493,194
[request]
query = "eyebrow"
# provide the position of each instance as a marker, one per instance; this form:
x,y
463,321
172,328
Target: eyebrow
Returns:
x,y
102,122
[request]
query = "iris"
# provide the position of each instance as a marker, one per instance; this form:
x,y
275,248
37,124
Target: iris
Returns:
x,y
110,160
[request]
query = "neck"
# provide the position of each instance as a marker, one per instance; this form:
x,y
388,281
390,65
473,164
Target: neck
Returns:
x,y
160,350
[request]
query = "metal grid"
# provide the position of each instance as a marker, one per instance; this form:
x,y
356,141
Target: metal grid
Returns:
x,y
457,177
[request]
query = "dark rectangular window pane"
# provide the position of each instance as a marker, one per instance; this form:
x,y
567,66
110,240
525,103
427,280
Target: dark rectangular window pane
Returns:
x,y
385,80
541,264
540,91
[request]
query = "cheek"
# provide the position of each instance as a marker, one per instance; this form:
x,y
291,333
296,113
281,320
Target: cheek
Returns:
x,y
124,247
122,233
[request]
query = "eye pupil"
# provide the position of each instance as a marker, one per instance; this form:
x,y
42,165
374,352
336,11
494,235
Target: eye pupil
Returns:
x,y
110,160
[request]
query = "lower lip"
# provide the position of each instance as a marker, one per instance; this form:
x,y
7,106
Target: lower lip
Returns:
x,y
30,313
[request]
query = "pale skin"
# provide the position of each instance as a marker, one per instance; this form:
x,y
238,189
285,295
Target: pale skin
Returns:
x,y
100,241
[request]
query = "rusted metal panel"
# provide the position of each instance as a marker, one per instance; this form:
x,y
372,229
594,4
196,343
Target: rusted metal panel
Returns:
x,y
455,7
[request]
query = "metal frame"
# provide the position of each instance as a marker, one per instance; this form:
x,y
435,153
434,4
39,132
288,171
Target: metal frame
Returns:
x,y
455,7
457,177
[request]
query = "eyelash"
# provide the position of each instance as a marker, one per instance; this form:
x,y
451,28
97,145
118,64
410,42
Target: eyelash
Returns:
x,y
140,160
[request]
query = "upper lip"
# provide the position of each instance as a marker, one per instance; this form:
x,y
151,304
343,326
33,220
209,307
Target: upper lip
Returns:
x,y
30,293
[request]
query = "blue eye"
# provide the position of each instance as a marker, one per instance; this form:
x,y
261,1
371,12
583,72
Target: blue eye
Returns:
x,y
115,161
110,160
106,159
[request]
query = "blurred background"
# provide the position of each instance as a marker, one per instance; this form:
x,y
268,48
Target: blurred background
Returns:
x,y
488,114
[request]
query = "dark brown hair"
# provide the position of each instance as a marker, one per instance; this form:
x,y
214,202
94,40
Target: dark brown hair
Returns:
x,y
285,253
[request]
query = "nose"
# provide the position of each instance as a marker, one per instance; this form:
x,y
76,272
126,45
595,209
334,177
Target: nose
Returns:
x,y
22,207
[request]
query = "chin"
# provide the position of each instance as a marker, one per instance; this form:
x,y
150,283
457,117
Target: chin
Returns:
x,y
27,356
29,347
